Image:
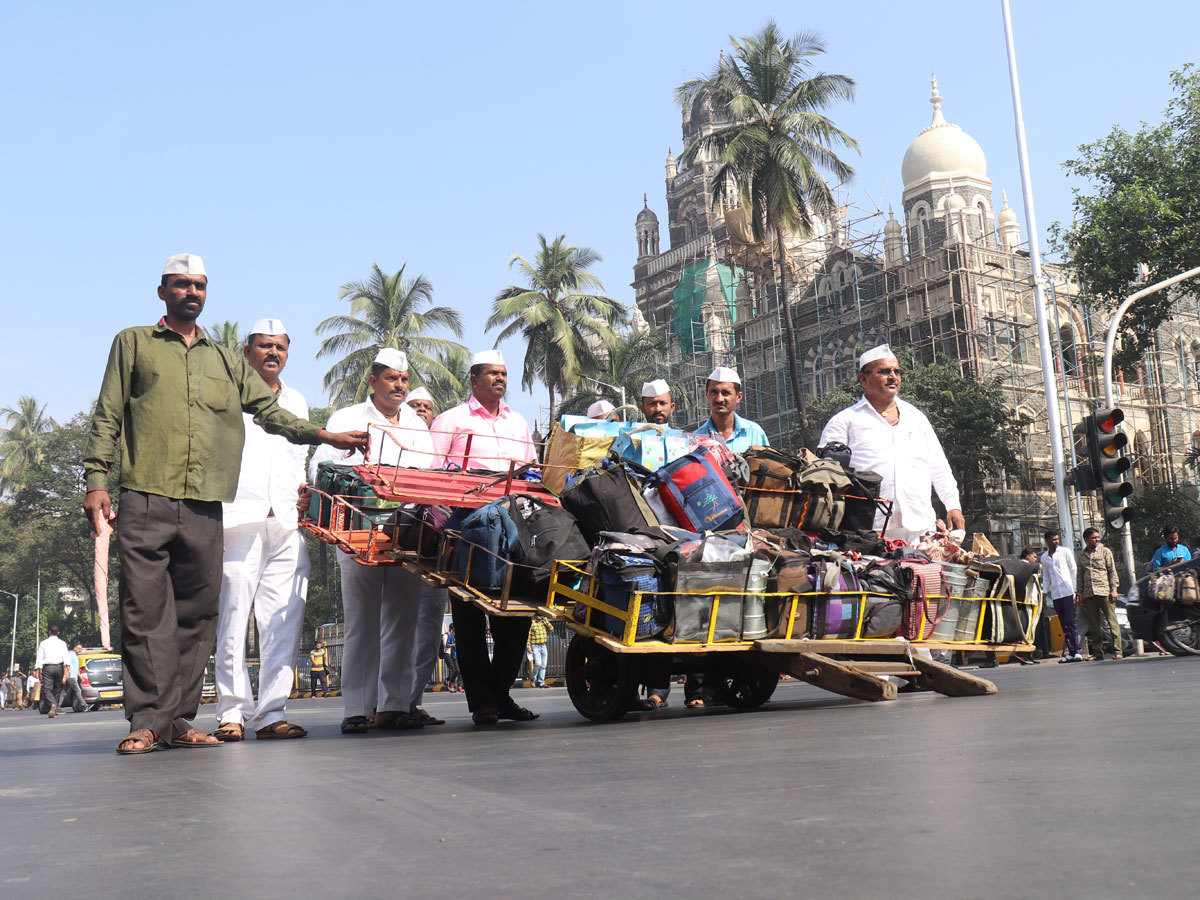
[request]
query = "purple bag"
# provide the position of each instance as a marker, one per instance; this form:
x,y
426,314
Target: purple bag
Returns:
x,y
410,535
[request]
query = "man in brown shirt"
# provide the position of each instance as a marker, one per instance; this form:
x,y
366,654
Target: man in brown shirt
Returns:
x,y
1096,589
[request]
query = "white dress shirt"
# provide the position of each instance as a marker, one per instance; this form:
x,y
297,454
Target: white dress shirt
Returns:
x,y
907,456
53,650
406,443
1058,573
272,471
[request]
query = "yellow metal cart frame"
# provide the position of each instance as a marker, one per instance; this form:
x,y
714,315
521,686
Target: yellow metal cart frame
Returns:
x,y
605,670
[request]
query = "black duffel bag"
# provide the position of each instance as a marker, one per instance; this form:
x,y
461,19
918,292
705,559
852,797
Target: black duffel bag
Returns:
x,y
545,533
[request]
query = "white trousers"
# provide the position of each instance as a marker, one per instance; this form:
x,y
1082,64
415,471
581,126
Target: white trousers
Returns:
x,y
265,566
381,606
431,612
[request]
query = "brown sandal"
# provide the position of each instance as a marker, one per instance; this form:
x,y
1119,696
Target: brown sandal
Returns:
x,y
396,720
149,739
653,701
193,738
278,731
424,718
230,732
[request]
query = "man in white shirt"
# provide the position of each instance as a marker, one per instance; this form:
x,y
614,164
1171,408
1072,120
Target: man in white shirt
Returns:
x,y
1059,582
265,566
383,604
53,665
892,438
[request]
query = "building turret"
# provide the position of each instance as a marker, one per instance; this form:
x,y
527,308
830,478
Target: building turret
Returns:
x,y
1006,224
671,170
893,242
646,226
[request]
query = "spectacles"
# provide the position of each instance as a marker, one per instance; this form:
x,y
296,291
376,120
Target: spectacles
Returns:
x,y
898,372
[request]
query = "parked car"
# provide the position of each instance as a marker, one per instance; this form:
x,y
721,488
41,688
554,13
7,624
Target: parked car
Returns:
x,y
100,676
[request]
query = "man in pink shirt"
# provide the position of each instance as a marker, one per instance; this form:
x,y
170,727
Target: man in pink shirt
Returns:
x,y
497,434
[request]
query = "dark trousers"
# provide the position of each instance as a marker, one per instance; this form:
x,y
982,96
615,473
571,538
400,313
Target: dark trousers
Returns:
x,y
487,682
73,695
52,686
1065,607
449,670
319,678
171,553
693,688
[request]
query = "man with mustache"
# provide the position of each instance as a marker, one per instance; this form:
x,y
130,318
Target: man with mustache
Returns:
x,y
383,605
724,392
266,561
657,405
892,438
174,399
498,435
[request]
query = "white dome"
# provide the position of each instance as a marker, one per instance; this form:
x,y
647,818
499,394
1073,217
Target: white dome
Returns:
x,y
1006,216
942,147
955,202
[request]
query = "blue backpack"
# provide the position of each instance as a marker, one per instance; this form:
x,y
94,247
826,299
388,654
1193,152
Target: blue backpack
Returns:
x,y
488,528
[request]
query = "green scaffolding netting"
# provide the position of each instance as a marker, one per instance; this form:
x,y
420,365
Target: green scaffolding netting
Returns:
x,y
695,283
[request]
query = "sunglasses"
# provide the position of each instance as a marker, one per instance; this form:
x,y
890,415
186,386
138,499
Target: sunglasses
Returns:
x,y
899,373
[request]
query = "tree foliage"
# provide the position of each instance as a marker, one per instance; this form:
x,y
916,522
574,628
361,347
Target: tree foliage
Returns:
x,y
1153,509
229,335
21,441
979,433
564,319
386,311
1141,205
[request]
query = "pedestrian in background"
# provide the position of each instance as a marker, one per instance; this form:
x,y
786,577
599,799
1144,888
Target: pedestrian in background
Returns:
x,y
1059,578
318,669
54,666
33,690
1171,551
450,660
72,694
18,687
1097,592
539,636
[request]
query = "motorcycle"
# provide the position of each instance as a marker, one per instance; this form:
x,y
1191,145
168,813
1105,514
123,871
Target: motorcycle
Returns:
x,y
1164,608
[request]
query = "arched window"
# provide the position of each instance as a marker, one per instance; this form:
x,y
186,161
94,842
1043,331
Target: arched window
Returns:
x,y
984,224
818,377
1066,341
922,230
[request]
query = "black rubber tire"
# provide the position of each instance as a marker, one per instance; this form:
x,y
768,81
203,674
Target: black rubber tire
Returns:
x,y
746,687
598,681
1179,629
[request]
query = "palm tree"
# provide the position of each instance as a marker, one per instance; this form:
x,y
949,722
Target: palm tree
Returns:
x,y
771,157
228,335
385,311
636,358
452,388
564,319
20,442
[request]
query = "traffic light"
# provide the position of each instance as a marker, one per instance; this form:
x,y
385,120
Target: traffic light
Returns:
x,y
1105,443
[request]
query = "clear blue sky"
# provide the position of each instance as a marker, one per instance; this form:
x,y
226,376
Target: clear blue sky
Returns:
x,y
292,145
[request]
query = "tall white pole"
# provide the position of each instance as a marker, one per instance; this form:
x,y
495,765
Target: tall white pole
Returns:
x,y
37,626
12,653
1039,302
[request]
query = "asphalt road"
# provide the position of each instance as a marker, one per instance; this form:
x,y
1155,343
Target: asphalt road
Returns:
x,y
1073,781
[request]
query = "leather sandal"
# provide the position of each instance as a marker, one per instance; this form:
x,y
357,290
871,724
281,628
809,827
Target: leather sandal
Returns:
x,y
354,725
396,720
653,701
279,731
230,732
194,738
419,715
149,740
517,713
485,716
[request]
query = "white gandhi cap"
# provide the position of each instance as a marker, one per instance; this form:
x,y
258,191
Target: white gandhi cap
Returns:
x,y
883,351
655,388
420,394
393,359
600,409
724,373
184,264
268,326
487,358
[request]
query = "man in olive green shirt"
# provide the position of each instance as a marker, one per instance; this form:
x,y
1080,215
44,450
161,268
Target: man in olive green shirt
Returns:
x,y
174,399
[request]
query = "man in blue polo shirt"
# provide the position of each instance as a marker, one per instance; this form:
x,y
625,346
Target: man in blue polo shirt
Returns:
x,y
724,393
1170,552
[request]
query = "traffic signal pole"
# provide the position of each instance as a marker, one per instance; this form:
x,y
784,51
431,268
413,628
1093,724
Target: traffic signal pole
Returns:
x,y
1039,299
1109,402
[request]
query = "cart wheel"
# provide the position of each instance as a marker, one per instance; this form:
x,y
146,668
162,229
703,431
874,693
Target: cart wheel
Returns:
x,y
1180,630
746,687
597,680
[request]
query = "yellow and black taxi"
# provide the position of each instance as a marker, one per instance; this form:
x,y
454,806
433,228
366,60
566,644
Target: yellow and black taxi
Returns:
x,y
100,678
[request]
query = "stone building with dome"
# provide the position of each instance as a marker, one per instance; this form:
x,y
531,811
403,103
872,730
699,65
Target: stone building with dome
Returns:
x,y
948,276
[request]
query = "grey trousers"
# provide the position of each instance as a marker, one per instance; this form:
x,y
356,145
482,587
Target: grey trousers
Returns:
x,y
170,553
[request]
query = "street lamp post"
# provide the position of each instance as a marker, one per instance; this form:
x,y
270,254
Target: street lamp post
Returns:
x,y
12,654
